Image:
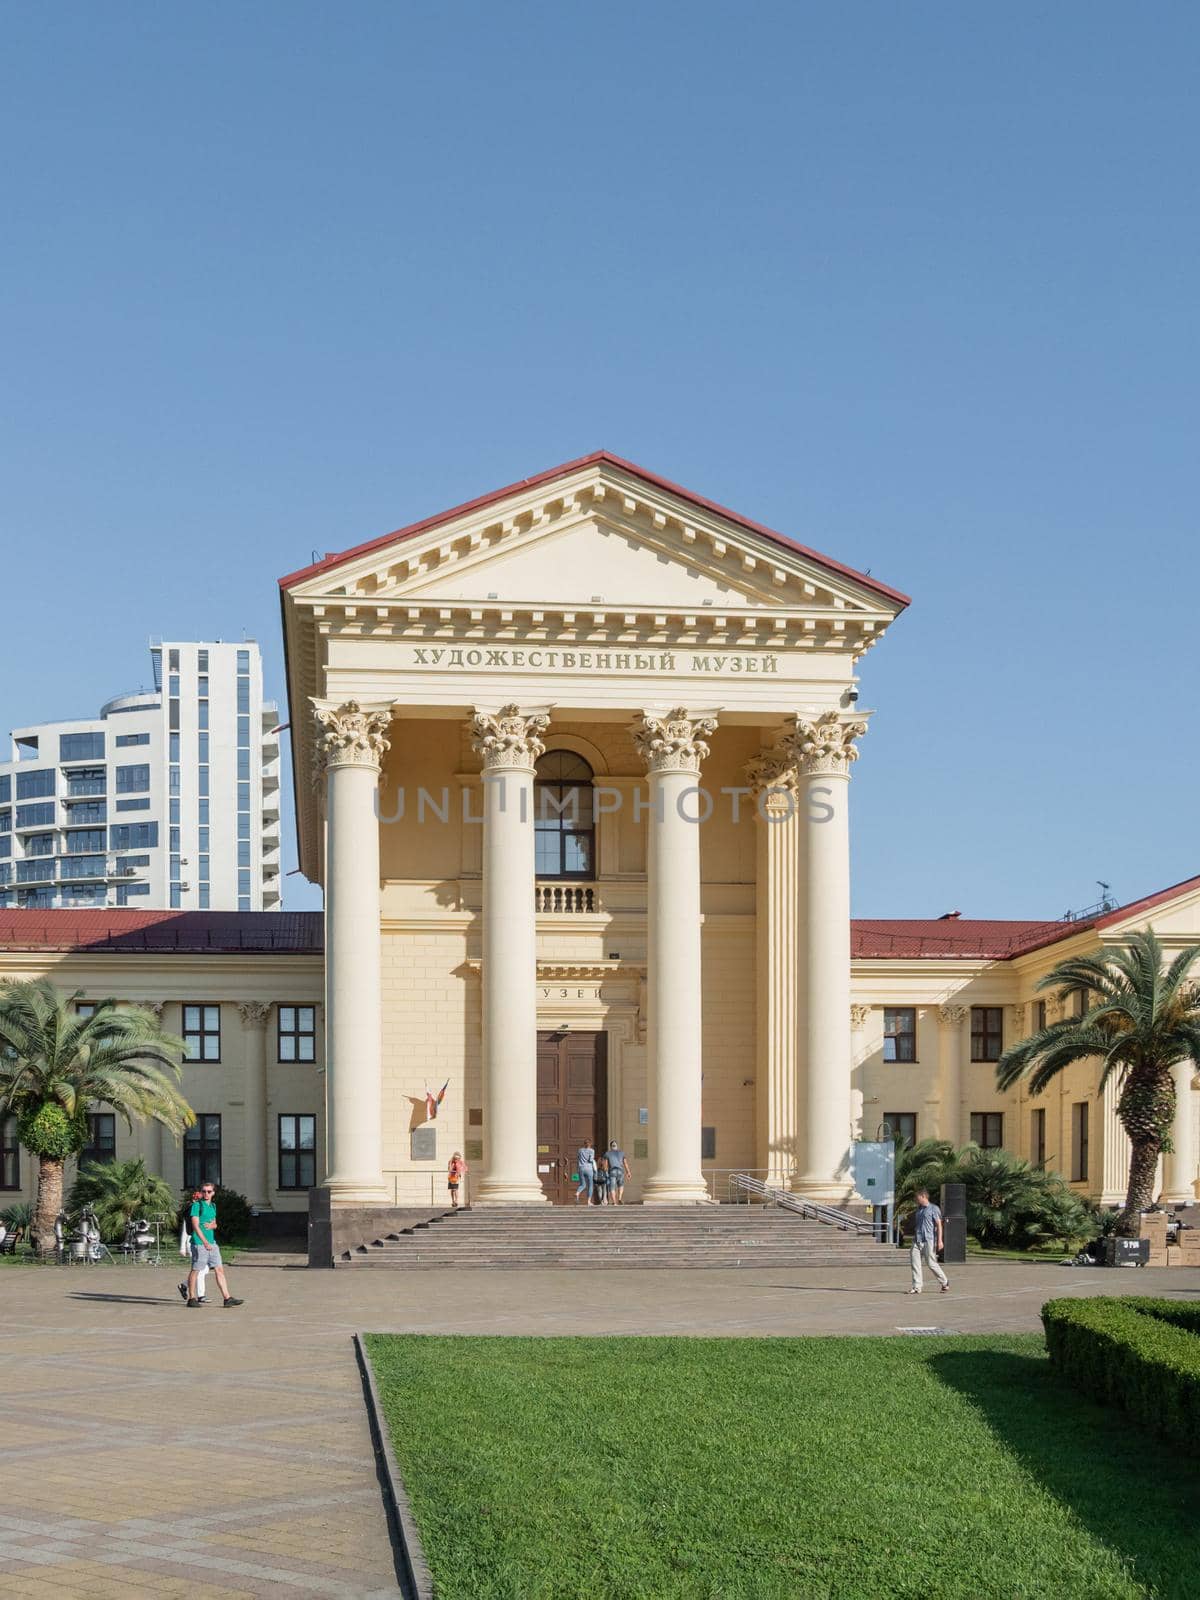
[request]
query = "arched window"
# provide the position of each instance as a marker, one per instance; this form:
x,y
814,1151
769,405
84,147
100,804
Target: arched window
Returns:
x,y
564,825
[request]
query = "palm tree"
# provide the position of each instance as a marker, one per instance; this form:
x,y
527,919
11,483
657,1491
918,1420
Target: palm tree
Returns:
x,y
1140,1019
925,1165
119,1190
55,1063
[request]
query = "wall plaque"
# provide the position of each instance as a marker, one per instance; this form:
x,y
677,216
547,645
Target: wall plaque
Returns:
x,y
424,1144
474,1150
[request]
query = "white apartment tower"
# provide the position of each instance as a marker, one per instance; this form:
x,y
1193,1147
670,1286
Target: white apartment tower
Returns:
x,y
167,799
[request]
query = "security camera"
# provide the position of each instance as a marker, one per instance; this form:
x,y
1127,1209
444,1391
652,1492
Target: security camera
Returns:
x,y
851,697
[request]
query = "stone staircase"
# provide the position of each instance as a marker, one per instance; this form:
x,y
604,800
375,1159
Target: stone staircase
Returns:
x,y
620,1237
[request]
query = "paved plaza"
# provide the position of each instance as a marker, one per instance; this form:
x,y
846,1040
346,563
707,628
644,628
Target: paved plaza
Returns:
x,y
148,1451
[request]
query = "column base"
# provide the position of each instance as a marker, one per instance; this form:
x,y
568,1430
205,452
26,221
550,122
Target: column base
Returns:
x,y
1175,1197
676,1192
507,1192
358,1192
825,1191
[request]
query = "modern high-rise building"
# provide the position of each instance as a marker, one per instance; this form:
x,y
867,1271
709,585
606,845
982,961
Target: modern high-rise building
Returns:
x,y
169,799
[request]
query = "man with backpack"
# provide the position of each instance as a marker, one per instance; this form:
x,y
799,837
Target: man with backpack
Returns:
x,y
202,1219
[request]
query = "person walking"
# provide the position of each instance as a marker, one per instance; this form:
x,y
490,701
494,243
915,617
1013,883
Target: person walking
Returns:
x,y
602,1181
185,1250
618,1171
454,1176
928,1239
585,1165
206,1253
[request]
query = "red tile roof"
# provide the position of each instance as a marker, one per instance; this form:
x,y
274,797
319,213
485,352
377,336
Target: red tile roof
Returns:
x,y
211,932
336,560
946,938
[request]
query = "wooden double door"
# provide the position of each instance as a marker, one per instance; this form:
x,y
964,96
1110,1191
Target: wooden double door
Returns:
x,y
572,1105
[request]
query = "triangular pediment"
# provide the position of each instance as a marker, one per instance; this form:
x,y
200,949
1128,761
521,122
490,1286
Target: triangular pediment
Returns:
x,y
597,538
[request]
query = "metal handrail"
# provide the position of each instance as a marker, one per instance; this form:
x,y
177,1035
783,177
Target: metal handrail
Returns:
x,y
742,1182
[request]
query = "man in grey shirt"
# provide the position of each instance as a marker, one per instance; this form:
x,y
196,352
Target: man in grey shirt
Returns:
x,y
618,1171
927,1241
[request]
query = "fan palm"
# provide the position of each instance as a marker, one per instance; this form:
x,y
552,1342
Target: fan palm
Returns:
x,y
925,1165
55,1063
1141,1019
119,1190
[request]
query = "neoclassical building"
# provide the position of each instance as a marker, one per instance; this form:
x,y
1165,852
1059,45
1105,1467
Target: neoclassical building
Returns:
x,y
573,763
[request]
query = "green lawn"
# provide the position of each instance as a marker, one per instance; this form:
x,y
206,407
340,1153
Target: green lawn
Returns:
x,y
786,1469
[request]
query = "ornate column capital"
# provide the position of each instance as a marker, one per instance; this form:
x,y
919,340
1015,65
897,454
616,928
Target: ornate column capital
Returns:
x,y
771,769
952,1016
509,739
155,1007
824,744
675,742
255,1013
858,1016
349,735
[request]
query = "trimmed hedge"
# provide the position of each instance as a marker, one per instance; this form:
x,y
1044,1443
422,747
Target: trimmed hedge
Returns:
x,y
1140,1354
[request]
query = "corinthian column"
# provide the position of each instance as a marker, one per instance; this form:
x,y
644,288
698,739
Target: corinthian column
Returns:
x,y
255,1016
350,747
777,961
508,744
823,750
673,748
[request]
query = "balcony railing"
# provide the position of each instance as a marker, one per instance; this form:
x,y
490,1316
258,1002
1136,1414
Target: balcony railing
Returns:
x,y
81,788
567,898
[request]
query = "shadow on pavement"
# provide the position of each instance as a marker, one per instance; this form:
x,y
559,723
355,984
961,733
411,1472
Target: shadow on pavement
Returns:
x,y
124,1299
1132,1491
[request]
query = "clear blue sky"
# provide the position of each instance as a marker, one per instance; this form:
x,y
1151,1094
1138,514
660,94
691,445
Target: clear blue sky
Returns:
x,y
915,284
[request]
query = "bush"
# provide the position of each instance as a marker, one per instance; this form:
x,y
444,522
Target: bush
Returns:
x,y
1015,1206
1142,1355
233,1215
18,1215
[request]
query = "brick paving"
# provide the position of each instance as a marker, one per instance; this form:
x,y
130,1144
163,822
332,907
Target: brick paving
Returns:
x,y
146,1450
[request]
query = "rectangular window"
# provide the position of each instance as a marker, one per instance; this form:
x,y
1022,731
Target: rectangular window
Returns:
x,y
243,856
132,780
202,1032
92,811
987,1129
125,740
175,897
6,787
202,1151
243,731
133,805
243,765
85,783
172,747
82,840
201,660
35,871
903,1125
174,811
81,747
987,1033
10,1154
243,661
204,837
202,748
202,783
173,684
173,836
1079,1142
1079,1002
243,696
41,844
243,827
34,785
82,867
243,902
900,1033
1037,1137
202,714
243,797
202,816
297,1033
205,897
708,1144
172,660
5,821
102,1138
1039,1015
297,1152
133,836
173,715
38,816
